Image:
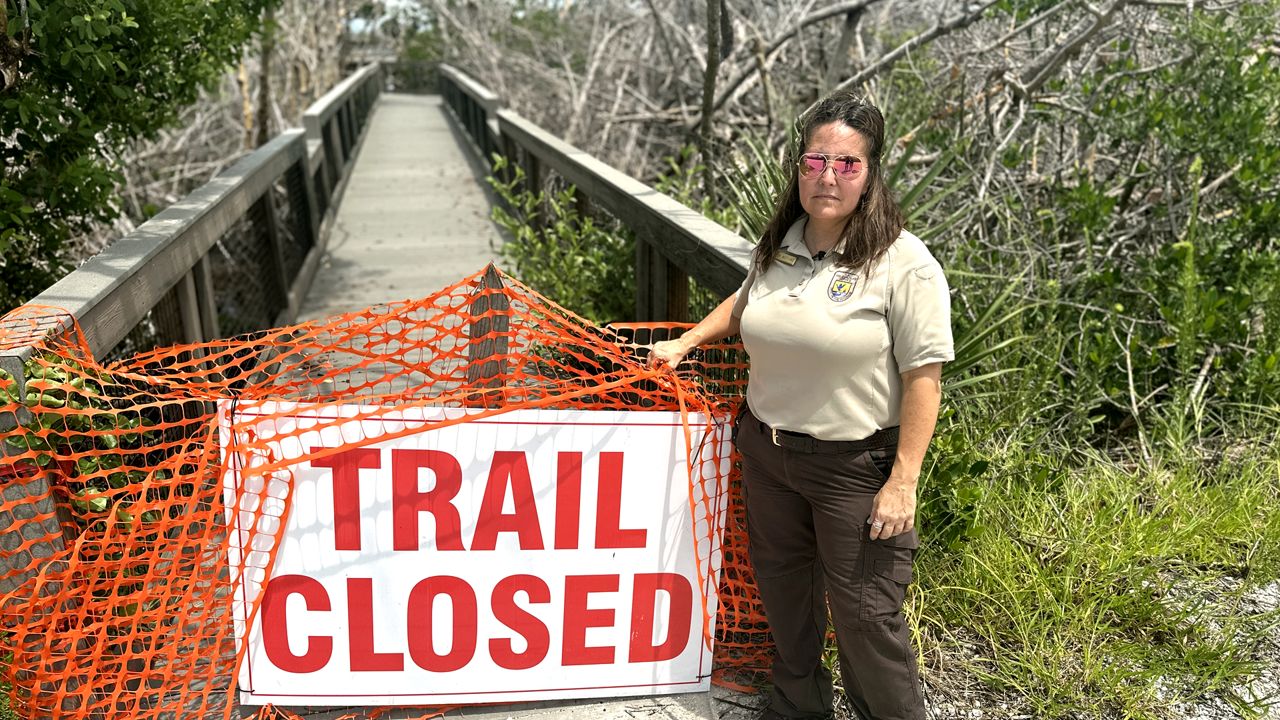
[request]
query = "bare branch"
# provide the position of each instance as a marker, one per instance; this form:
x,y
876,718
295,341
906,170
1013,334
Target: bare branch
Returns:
x,y
1022,28
1218,181
888,59
1048,63
732,87
999,150
762,68
851,20
708,96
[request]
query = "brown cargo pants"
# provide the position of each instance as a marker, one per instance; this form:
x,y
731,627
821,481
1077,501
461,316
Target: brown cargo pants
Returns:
x,y
810,545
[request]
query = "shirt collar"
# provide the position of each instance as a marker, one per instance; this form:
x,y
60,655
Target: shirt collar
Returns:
x,y
793,241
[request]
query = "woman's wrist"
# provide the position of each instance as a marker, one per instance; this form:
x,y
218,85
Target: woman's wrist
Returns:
x,y
688,342
904,481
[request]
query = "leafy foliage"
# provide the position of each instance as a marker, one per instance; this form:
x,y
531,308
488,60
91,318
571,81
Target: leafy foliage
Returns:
x,y
1156,272
77,425
563,252
1091,590
87,77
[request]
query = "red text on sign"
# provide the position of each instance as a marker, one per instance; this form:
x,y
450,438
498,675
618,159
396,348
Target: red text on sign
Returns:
x,y
581,612
508,475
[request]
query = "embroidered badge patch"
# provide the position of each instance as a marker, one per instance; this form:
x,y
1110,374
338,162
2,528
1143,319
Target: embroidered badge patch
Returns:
x,y
841,287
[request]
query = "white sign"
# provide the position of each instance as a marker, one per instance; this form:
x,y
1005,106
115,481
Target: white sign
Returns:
x,y
535,554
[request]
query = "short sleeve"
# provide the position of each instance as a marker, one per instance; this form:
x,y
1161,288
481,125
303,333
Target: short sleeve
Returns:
x,y
740,300
920,317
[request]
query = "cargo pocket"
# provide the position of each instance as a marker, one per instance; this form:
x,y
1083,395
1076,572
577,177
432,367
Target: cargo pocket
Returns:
x,y
886,576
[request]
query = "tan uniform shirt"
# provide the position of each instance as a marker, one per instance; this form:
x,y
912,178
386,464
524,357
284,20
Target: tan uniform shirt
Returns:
x,y
828,345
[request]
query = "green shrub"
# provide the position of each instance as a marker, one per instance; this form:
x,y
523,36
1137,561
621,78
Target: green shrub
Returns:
x,y
563,253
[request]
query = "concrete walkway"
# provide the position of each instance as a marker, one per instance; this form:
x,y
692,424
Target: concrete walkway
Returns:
x,y
414,217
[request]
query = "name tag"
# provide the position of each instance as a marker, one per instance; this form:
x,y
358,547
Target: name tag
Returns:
x,y
787,258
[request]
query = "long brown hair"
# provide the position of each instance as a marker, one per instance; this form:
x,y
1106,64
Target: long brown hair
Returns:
x,y
875,223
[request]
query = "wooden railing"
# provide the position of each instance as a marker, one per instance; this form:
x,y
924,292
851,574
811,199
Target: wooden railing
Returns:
x,y
673,242
475,108
334,124
412,77
235,256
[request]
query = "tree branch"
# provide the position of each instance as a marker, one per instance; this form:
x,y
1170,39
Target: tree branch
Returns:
x,y
1043,67
995,154
888,59
1023,28
1186,4
851,21
661,32
708,95
764,85
732,87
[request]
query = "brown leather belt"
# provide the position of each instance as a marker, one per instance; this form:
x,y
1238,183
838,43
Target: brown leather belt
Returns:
x,y
800,442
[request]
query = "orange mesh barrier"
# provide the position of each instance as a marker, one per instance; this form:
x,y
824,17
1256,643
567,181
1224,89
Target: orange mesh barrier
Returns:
x,y
113,549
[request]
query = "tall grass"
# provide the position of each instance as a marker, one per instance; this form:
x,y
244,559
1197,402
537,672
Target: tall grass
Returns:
x,y
1098,589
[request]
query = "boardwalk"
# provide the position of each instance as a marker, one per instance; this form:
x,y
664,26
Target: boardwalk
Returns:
x,y
414,217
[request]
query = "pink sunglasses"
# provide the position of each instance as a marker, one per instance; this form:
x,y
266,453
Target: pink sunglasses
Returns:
x,y
846,167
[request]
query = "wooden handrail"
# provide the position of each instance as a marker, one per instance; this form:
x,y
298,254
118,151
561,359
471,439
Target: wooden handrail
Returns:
x,y
673,241
332,101
709,252
111,291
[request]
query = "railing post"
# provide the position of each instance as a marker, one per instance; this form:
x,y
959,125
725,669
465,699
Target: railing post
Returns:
x,y
677,296
644,280
14,362
511,151
476,123
348,127
311,217
532,172
487,348
189,309
278,274
662,287
205,299
581,202
30,519
658,285
323,192
340,119
334,152
316,131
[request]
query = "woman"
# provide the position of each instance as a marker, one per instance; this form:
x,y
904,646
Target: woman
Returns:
x,y
846,319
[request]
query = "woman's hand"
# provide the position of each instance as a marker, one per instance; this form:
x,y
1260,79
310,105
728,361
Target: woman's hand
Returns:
x,y
893,511
668,353
718,324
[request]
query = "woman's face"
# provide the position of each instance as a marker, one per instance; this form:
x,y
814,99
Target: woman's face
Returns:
x,y
827,195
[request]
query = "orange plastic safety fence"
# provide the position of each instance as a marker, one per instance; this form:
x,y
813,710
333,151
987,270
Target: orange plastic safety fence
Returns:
x,y
115,572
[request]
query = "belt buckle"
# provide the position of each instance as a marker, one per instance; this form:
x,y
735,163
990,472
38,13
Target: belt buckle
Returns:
x,y
774,431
